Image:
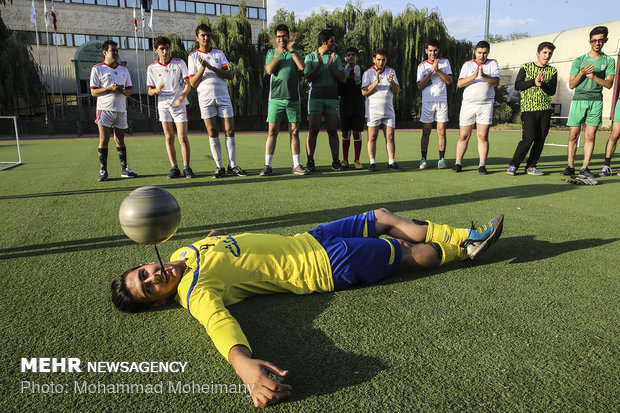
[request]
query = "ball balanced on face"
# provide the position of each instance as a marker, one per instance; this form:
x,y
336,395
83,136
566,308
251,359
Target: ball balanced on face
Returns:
x,y
149,215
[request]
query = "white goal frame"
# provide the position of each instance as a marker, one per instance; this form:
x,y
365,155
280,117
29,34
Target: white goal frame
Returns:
x,y
10,164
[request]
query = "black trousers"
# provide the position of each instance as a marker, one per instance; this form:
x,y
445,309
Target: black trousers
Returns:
x,y
535,130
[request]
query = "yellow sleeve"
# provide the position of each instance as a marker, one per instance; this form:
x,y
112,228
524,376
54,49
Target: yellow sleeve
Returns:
x,y
207,306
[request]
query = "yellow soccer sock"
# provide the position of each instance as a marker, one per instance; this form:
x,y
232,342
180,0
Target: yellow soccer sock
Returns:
x,y
451,252
445,233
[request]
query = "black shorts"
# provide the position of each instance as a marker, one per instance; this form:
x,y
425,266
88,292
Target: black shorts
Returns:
x,y
354,123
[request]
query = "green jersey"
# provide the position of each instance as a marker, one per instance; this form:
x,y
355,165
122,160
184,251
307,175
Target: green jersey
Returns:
x,y
588,89
324,85
284,81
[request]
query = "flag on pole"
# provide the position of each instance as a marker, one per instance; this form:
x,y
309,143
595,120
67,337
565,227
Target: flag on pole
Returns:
x,y
135,22
142,15
151,20
47,18
33,15
54,17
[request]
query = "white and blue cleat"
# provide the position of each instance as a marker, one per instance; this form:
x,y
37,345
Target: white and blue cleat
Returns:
x,y
483,237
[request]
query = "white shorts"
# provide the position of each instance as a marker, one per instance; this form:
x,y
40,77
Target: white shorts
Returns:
x,y
169,113
434,112
111,119
481,113
216,107
373,122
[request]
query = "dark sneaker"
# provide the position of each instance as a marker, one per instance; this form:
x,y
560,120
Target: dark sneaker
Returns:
x,y
568,171
372,167
586,172
511,170
219,173
457,168
299,170
483,237
482,170
237,171
310,166
394,167
188,172
336,166
267,171
103,175
128,173
174,173
344,163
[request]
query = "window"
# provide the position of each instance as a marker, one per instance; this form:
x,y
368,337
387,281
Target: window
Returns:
x,y
69,39
163,5
261,14
189,7
88,2
225,10
200,8
252,12
234,10
210,8
179,5
80,39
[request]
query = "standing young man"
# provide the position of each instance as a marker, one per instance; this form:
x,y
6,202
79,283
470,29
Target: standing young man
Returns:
x,y
588,75
434,75
351,109
479,77
537,82
282,63
110,83
610,148
164,78
379,85
208,72
323,70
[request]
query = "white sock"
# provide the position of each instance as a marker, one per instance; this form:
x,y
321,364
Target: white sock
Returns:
x,y
268,159
372,160
458,161
482,163
296,160
216,151
391,161
231,147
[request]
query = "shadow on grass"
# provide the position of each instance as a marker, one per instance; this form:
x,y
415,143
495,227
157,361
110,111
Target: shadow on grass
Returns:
x,y
191,234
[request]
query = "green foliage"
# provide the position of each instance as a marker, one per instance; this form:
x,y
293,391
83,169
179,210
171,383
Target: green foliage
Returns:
x,y
502,113
21,83
497,38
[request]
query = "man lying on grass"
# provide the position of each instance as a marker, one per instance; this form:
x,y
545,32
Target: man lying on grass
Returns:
x,y
222,269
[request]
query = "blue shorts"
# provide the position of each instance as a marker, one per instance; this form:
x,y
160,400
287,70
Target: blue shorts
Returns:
x,y
357,257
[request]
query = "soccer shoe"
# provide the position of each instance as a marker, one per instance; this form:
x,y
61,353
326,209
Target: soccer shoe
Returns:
x,y
237,171
605,171
423,164
372,167
103,175
533,171
128,173
219,173
310,166
483,237
174,173
511,170
188,172
299,170
586,172
344,163
394,167
568,171
267,171
457,168
442,164
358,165
482,170
337,166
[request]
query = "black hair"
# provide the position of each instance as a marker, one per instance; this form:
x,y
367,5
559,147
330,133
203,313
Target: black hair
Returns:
x,y
161,40
203,27
380,51
545,45
483,44
281,28
122,298
353,49
599,30
106,45
432,42
325,35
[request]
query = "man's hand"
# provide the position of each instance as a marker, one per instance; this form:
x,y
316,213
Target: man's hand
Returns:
x,y
160,87
539,79
587,71
274,43
255,375
215,233
177,102
435,66
204,63
330,61
318,56
391,78
292,38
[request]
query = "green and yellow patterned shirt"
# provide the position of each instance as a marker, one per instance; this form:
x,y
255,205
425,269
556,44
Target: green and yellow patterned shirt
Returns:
x,y
535,98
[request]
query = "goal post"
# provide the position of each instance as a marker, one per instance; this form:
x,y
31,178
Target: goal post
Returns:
x,y
10,164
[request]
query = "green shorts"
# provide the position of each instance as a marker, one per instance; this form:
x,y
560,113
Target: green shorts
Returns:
x,y
326,106
617,112
281,110
585,111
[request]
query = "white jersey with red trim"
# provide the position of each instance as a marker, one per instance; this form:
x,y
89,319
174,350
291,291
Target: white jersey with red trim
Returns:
x,y
379,104
479,91
103,75
435,90
211,86
172,75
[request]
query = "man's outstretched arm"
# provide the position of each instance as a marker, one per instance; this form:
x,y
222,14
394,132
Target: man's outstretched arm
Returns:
x,y
254,374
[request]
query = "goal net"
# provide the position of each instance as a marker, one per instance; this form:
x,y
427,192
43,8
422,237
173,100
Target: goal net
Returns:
x,y
9,143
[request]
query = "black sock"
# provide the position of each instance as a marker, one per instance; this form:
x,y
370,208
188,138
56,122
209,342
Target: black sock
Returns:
x,y
442,154
103,158
424,154
122,155
335,157
608,161
310,158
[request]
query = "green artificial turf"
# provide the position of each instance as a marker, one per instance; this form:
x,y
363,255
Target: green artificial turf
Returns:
x,y
532,325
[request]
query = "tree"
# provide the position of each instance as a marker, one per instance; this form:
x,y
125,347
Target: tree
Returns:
x,y
497,38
